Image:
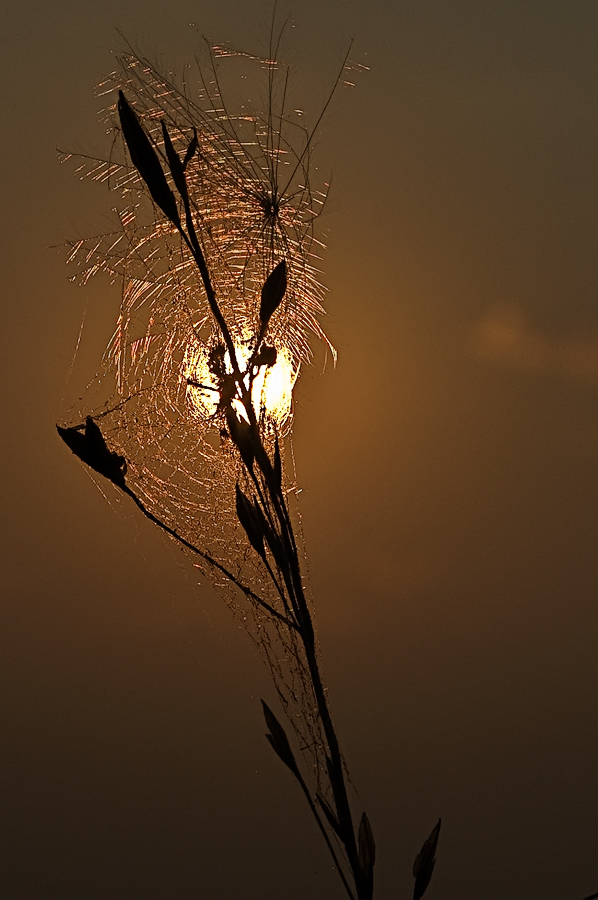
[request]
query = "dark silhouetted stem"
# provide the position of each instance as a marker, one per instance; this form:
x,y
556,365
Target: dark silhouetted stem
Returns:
x,y
270,496
318,819
293,582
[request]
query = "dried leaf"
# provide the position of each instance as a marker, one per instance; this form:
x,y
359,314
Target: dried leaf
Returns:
x,y
272,292
424,863
146,161
89,445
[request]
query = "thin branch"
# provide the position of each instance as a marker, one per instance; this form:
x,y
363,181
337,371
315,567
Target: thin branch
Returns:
x,y
318,819
209,559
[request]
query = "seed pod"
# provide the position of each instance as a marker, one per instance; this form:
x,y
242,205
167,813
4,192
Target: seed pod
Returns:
x,y
272,292
424,863
145,159
278,740
250,522
258,528
89,445
191,149
275,545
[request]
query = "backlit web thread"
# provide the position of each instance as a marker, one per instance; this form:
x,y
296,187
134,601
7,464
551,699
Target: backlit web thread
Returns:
x,y
252,205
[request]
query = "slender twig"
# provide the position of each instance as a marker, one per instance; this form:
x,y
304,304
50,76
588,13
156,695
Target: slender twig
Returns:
x,y
318,819
209,559
292,576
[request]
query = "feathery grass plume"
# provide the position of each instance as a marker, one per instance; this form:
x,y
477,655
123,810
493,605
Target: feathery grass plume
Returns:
x,y
201,408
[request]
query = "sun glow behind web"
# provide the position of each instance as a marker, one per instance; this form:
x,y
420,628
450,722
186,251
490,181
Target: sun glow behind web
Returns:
x,y
272,389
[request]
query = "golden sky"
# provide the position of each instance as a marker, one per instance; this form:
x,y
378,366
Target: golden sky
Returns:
x,y
448,465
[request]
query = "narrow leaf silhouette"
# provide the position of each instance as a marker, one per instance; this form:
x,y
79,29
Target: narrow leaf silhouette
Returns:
x,y
250,522
191,149
367,846
424,863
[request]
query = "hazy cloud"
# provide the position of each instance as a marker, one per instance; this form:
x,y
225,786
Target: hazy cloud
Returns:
x,y
504,336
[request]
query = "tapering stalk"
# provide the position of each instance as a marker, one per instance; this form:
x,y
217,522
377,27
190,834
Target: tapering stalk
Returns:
x,y
293,582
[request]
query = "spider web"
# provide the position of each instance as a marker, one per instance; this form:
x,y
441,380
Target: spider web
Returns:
x,y
252,205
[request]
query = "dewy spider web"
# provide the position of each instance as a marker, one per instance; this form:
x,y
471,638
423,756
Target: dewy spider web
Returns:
x,y
252,205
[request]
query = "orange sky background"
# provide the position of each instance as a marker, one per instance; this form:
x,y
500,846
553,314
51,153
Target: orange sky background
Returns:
x,y
449,472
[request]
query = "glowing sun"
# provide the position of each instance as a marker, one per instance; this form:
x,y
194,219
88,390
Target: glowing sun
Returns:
x,y
271,393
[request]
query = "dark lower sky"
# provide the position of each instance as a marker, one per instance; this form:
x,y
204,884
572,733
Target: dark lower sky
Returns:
x,y
449,469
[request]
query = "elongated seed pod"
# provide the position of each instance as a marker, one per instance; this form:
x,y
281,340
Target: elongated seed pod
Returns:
x,y
146,161
273,291
425,862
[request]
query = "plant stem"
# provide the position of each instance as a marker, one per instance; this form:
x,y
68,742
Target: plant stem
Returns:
x,y
293,581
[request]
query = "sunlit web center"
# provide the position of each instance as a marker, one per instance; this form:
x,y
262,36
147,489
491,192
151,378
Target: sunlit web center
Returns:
x,y
272,390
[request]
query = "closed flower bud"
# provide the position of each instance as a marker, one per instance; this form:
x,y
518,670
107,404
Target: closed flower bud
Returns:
x,y
278,740
272,292
191,149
